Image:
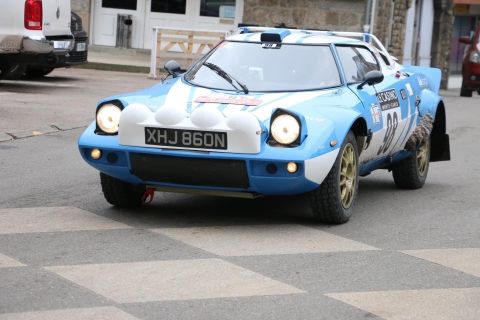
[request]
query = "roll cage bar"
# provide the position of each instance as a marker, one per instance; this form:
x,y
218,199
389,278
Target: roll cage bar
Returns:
x,y
362,36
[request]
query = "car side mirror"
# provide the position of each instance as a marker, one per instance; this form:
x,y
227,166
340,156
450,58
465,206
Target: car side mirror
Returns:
x,y
371,78
465,39
173,68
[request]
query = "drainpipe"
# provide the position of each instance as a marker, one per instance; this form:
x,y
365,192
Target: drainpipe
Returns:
x,y
366,25
372,16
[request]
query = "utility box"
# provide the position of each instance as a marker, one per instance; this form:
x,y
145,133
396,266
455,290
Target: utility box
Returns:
x,y
124,31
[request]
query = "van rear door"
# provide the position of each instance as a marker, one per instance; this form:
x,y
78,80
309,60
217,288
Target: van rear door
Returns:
x,y
56,17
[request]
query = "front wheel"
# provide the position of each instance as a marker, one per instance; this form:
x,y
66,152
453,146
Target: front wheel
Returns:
x,y
411,173
121,194
332,202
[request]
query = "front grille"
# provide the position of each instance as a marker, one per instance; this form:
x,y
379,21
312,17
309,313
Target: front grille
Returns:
x,y
190,171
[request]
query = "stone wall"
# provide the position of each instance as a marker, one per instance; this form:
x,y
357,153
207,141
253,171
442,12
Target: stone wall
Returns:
x,y
344,15
390,25
82,8
442,38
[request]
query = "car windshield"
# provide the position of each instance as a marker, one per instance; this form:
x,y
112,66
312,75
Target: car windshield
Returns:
x,y
287,68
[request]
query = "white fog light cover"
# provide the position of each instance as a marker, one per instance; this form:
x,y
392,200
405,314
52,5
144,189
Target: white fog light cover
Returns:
x,y
285,129
108,118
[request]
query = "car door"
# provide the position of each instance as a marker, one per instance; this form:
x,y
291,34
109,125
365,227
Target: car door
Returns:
x,y
386,112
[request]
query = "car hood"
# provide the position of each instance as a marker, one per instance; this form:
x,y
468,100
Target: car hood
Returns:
x,y
176,93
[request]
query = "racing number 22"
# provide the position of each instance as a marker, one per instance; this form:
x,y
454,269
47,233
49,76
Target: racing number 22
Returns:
x,y
392,124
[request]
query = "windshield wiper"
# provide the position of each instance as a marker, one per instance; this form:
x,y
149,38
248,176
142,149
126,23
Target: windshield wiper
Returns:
x,y
222,73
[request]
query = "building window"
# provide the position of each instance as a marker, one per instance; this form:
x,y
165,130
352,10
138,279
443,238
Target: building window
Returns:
x,y
218,8
120,4
169,6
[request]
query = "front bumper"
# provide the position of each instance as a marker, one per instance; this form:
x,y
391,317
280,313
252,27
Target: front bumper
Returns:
x,y
264,173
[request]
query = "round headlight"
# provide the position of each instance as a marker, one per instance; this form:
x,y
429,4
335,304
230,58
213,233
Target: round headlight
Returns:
x,y
285,129
108,117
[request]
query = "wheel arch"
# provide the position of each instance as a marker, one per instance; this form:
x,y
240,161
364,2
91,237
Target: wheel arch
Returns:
x,y
360,130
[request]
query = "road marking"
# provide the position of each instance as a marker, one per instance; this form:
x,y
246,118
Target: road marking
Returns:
x,y
7,262
262,240
172,280
466,260
39,84
100,313
438,304
53,219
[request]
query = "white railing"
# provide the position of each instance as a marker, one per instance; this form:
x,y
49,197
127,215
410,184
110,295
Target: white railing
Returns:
x,y
190,44
179,43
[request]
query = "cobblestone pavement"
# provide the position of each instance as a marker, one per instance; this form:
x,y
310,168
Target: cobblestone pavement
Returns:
x,y
66,254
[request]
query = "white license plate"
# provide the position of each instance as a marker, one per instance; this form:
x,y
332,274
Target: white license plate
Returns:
x,y
81,46
61,44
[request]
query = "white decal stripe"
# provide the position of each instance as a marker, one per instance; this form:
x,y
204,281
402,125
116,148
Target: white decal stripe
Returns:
x,y
316,169
294,37
264,113
178,94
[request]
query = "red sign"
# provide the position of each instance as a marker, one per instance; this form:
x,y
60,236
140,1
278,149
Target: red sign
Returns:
x,y
243,101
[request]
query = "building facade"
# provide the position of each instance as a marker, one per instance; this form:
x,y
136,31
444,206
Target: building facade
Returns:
x,y
408,28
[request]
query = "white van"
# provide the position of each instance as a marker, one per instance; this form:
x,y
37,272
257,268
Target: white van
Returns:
x,y
32,30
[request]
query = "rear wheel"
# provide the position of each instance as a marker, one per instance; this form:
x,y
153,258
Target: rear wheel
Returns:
x,y
37,72
464,91
121,194
332,202
12,71
411,173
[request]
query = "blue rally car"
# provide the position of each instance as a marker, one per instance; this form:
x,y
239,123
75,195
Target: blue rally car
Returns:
x,y
273,112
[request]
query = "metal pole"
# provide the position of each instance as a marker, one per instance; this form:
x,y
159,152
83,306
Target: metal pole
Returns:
x,y
153,54
372,16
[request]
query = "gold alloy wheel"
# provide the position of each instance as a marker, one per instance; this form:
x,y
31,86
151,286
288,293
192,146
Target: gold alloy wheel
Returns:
x,y
348,176
422,158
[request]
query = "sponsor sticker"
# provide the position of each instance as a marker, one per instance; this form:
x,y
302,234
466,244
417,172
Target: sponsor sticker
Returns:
x,y
388,99
423,82
223,99
403,93
376,113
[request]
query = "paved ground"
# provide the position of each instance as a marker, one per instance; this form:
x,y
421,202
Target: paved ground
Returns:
x,y
66,254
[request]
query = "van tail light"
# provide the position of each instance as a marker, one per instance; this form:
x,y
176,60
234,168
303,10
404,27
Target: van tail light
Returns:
x,y
33,15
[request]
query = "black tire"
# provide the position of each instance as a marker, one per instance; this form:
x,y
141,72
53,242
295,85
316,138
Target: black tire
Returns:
x,y
465,92
326,200
407,174
13,71
121,194
37,72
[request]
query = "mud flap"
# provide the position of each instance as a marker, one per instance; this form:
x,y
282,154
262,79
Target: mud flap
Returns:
x,y
440,148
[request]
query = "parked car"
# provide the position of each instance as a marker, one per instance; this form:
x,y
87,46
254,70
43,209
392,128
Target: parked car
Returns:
x,y
273,112
78,55
32,30
471,65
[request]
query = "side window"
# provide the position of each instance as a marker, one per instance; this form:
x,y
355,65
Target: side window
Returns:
x,y
356,62
369,61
